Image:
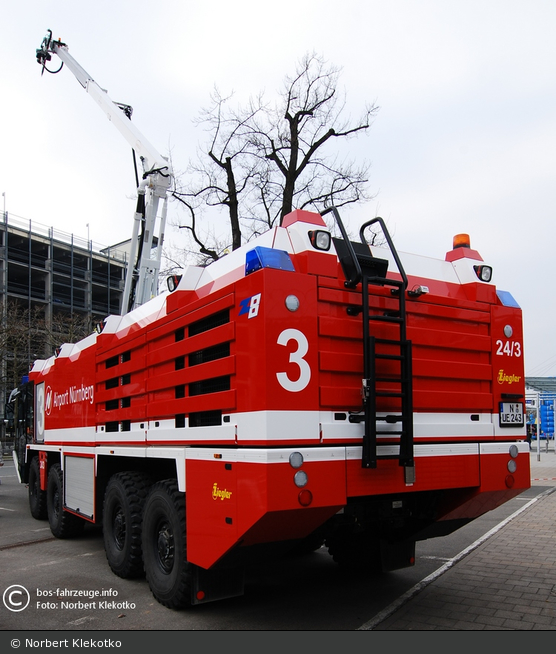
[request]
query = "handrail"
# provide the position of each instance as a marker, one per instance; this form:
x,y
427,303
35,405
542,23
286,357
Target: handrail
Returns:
x,y
390,245
349,283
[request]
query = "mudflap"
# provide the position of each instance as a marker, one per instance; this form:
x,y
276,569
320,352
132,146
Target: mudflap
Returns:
x,y
397,554
43,457
219,582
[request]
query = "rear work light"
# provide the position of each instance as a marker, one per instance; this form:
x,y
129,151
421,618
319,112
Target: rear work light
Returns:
x,y
172,282
320,239
484,273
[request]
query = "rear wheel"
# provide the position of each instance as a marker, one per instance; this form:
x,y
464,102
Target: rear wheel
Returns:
x,y
122,520
357,552
37,497
164,549
62,523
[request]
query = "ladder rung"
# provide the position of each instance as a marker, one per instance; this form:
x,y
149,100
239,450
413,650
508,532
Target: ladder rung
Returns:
x,y
385,319
389,341
390,419
374,279
395,357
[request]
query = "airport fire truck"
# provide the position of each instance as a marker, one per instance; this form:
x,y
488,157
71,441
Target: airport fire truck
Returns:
x,y
306,390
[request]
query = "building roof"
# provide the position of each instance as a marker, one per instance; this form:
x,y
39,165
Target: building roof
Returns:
x,y
541,384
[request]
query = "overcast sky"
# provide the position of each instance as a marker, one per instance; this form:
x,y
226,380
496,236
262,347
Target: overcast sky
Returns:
x,y
465,139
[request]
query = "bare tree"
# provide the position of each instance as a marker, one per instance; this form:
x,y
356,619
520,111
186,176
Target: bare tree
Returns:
x,y
16,324
262,161
26,335
224,172
65,327
292,138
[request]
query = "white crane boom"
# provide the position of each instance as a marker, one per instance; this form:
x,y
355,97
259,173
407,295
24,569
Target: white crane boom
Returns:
x,y
141,282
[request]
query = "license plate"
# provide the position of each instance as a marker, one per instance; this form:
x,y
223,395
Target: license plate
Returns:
x,y
511,414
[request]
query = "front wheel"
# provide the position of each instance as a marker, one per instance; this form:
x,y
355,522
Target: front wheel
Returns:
x,y
164,549
62,523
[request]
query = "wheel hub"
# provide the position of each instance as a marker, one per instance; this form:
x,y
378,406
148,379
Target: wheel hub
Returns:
x,y
119,527
165,547
56,504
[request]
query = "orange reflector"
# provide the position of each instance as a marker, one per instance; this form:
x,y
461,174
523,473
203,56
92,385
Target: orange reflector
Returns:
x,y
462,241
217,456
305,497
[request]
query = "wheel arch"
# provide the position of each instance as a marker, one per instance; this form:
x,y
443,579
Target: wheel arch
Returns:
x,y
158,469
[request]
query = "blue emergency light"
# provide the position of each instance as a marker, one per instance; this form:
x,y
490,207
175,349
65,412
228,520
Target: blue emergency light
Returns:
x,y
260,257
507,299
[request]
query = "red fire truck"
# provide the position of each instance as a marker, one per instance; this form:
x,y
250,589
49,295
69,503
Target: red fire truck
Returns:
x,y
305,389
302,389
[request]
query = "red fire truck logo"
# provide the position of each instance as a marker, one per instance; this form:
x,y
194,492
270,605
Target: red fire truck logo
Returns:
x,y
48,401
250,306
72,395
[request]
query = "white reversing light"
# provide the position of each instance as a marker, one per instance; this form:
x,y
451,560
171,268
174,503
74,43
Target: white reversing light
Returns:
x,y
296,459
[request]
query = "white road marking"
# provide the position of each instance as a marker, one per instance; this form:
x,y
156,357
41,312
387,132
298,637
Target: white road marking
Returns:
x,y
398,603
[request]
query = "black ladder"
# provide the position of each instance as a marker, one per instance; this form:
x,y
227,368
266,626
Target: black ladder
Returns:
x,y
361,267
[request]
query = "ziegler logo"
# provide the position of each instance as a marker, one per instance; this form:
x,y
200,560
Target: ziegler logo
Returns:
x,y
503,378
218,494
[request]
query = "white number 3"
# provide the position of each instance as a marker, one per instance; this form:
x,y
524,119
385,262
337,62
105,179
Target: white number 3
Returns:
x,y
295,357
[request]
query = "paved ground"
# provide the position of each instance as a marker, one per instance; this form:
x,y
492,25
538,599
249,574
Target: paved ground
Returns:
x,y
506,581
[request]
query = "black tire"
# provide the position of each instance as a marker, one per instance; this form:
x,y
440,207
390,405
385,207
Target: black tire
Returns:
x,y
122,520
164,547
357,552
62,523
309,544
37,497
